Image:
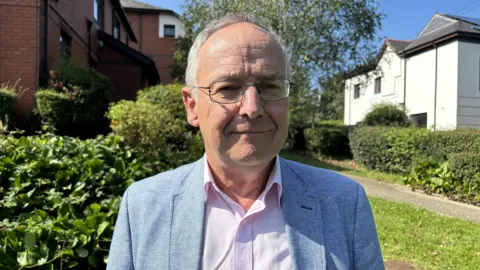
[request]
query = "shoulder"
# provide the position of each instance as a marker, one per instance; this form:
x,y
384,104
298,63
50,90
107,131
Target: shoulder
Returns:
x,y
159,185
325,182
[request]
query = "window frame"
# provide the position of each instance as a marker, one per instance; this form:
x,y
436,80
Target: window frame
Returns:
x,y
98,8
356,91
415,117
378,85
165,27
115,22
65,38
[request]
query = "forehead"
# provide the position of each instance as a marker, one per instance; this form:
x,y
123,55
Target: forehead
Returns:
x,y
239,51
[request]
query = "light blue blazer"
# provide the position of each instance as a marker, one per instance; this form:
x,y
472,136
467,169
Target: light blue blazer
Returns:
x,y
328,221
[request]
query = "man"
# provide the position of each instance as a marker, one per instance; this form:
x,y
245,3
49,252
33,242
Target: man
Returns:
x,y
241,206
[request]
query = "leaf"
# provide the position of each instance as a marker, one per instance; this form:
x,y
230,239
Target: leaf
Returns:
x,y
29,239
82,252
95,207
26,258
83,239
70,265
437,181
93,260
102,228
29,194
119,165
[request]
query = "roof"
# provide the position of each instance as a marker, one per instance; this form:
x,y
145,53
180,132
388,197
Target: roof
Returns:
x,y
444,26
145,61
133,5
398,45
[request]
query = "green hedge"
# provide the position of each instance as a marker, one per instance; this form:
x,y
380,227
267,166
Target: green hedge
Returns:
x,y
157,123
59,198
328,140
385,114
55,108
440,144
7,106
387,149
465,166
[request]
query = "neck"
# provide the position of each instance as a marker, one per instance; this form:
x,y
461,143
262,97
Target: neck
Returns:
x,y
243,184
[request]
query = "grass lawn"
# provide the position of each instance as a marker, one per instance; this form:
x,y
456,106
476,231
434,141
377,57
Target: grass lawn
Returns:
x,y
343,167
425,239
417,236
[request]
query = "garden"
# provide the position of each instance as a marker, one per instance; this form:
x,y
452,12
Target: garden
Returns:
x,y
60,186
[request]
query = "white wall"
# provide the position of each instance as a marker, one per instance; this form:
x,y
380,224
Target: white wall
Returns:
x,y
447,86
170,20
390,68
469,85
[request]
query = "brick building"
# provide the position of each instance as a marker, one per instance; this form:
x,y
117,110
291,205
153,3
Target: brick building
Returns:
x,y
156,29
92,33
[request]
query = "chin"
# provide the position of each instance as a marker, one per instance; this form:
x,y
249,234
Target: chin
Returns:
x,y
250,155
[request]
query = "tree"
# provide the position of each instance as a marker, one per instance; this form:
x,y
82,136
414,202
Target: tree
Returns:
x,y
323,37
332,101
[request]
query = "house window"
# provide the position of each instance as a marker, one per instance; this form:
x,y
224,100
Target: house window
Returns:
x,y
98,11
378,85
169,30
356,91
115,27
419,120
65,45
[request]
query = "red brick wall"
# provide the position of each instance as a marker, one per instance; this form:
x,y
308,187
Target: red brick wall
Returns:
x,y
18,46
146,28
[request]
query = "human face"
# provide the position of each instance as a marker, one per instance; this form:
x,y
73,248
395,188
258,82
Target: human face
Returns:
x,y
250,132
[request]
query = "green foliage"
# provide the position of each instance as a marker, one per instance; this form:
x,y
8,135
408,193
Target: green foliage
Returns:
x,y
60,198
54,107
385,114
90,93
431,177
332,101
465,166
387,149
7,106
156,123
328,140
439,145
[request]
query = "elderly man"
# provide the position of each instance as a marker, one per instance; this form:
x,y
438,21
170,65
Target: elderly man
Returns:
x,y
242,206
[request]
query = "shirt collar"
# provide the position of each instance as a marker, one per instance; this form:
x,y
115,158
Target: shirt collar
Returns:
x,y
274,178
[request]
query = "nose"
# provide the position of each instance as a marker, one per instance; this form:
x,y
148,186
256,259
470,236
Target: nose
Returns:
x,y
251,104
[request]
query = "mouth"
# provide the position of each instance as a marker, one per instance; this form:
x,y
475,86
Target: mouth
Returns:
x,y
249,132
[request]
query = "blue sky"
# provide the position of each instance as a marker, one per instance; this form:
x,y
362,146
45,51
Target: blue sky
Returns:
x,y
404,18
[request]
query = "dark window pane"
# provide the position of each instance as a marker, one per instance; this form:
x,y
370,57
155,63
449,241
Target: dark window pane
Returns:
x,y
419,120
378,85
169,30
356,91
65,45
116,27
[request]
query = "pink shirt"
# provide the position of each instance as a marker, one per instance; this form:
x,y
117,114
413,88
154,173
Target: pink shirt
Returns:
x,y
237,240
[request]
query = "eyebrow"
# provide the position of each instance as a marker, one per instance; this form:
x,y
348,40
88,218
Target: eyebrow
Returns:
x,y
261,77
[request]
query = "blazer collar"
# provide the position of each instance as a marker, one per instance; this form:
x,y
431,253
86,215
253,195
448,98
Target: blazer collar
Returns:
x,y
301,209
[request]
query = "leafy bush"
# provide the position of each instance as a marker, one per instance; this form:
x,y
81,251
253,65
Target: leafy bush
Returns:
x,y
440,144
90,93
385,114
156,123
7,105
59,198
329,140
55,108
387,149
465,166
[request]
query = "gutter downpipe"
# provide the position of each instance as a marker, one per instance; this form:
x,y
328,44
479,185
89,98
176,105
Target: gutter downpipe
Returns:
x,y
37,25
45,42
89,29
435,99
404,81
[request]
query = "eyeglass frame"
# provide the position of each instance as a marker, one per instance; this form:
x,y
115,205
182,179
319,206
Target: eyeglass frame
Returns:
x,y
245,87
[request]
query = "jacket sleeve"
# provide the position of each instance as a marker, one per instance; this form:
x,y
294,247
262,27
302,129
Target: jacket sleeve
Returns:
x,y
120,255
367,253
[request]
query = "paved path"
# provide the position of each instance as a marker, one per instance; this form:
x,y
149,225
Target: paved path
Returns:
x,y
404,194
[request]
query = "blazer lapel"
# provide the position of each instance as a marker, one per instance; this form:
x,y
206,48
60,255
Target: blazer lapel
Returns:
x,y
186,238
303,221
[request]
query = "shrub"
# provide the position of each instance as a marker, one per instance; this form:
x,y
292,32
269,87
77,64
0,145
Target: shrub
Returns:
x,y
440,144
156,123
386,149
7,105
431,177
55,108
90,93
59,198
465,166
328,141
385,114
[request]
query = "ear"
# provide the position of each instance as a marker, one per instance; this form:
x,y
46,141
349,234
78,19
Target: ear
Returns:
x,y
190,104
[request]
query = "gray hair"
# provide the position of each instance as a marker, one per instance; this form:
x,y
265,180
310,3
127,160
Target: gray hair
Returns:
x,y
214,26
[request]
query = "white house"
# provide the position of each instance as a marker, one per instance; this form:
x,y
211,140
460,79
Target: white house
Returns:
x,y
435,77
